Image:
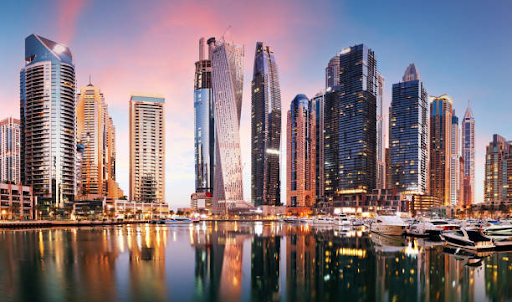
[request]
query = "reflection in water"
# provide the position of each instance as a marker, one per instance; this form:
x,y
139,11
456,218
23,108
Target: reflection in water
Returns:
x,y
241,261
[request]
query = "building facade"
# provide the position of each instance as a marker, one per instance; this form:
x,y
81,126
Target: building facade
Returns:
x,y
440,148
47,120
498,172
301,171
331,145
357,120
468,153
10,150
227,81
265,129
455,168
16,202
147,148
318,107
380,172
96,133
332,73
204,124
408,135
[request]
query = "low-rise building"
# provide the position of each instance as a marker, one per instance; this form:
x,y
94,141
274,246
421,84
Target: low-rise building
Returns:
x,y
17,202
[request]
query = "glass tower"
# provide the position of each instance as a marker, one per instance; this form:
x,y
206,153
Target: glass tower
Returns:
x,y
332,73
96,133
498,171
440,147
47,118
301,153
455,177
408,134
265,129
227,82
357,120
468,153
204,127
318,107
147,148
331,147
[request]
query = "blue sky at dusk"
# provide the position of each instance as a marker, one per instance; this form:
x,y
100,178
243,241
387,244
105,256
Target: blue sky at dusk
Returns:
x,y
461,48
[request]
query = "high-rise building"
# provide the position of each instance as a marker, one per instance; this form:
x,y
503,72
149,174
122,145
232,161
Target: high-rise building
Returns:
x,y
329,158
468,153
147,148
227,81
332,73
265,129
498,172
357,120
47,119
300,172
318,108
440,147
10,150
204,125
408,135
96,132
455,188
380,173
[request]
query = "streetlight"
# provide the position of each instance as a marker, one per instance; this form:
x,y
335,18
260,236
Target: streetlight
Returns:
x,y
3,214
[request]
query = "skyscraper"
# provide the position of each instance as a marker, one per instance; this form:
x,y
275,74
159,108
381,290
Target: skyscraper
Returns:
x,y
380,172
318,108
147,148
468,153
10,150
265,128
408,134
357,120
498,171
96,133
47,118
204,125
300,172
455,161
227,81
331,157
440,147
332,73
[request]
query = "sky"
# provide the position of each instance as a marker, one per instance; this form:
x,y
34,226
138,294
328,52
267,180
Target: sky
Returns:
x,y
461,48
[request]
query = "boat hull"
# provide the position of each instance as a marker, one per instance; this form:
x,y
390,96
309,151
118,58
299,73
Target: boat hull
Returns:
x,y
393,230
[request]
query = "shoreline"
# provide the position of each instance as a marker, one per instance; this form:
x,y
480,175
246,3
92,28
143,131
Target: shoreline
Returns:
x,y
56,223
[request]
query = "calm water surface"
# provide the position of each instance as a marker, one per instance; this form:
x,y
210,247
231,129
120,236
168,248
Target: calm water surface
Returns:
x,y
240,262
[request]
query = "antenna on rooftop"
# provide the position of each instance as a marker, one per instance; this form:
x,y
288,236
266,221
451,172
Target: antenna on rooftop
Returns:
x,y
226,32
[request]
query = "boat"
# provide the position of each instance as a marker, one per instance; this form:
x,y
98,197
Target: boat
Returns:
x,y
445,225
176,220
342,220
290,219
357,222
498,230
469,238
388,225
306,220
502,243
423,228
322,220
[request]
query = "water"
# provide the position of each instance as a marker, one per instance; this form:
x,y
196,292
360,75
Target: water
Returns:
x,y
240,262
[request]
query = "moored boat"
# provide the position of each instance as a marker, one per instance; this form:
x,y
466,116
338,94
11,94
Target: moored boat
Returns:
x,y
388,225
498,230
176,220
469,238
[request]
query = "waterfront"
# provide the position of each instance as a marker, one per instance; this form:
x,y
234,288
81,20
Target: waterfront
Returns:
x,y
240,262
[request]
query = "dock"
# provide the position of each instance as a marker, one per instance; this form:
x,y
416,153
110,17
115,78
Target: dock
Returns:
x,y
63,223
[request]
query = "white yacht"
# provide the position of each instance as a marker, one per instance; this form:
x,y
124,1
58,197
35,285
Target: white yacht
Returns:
x,y
423,228
499,230
469,238
388,225
322,220
290,219
342,220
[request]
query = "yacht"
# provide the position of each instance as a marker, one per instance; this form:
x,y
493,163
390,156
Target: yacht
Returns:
x,y
445,225
469,238
342,220
176,220
290,219
423,228
388,225
499,230
322,220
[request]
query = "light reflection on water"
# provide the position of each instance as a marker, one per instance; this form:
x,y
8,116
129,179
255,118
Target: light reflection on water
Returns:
x,y
241,262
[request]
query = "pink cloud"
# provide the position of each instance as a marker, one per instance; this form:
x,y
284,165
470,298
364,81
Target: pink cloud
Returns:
x,y
69,12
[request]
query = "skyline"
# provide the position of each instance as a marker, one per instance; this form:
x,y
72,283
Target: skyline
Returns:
x,y
162,69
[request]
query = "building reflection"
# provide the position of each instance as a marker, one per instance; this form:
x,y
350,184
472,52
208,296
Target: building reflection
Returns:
x,y
242,262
